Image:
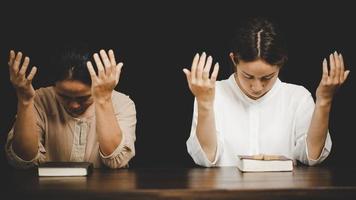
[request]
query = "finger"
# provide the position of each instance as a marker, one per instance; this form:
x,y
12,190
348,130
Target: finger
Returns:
x,y
187,74
342,70
201,66
324,77
112,57
214,75
32,73
347,72
332,67
207,68
91,71
337,67
194,68
15,66
107,63
11,58
341,58
118,71
99,65
24,66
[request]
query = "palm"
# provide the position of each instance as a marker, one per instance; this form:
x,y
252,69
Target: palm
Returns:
x,y
108,75
21,83
202,87
332,79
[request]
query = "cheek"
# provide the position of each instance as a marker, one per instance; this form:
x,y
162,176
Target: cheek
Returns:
x,y
87,103
246,84
269,84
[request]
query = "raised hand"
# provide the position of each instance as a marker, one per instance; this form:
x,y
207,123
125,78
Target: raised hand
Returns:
x,y
332,78
202,87
22,84
108,75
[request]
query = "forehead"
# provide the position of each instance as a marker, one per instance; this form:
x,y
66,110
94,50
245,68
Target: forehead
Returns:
x,y
257,68
72,88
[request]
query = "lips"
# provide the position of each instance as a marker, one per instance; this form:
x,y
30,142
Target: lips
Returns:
x,y
256,94
75,112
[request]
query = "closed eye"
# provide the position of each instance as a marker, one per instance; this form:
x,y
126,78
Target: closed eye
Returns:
x,y
267,78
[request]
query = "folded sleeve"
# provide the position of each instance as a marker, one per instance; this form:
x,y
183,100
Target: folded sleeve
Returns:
x,y
126,117
15,160
303,120
194,148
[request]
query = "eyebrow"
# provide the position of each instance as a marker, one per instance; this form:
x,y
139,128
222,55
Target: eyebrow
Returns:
x,y
262,76
79,97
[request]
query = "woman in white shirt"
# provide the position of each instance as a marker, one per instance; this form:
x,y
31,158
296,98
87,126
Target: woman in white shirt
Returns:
x,y
253,112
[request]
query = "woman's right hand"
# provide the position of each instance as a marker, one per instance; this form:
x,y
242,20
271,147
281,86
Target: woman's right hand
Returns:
x,y
22,84
202,87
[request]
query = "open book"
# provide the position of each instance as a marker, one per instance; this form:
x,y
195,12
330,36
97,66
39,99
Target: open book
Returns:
x,y
65,169
264,163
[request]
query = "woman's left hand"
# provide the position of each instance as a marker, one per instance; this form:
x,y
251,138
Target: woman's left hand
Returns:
x,y
108,75
332,78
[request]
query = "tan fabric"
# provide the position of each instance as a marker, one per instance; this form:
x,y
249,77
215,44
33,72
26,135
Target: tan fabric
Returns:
x,y
64,138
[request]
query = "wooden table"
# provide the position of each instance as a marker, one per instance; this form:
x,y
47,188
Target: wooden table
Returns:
x,y
185,183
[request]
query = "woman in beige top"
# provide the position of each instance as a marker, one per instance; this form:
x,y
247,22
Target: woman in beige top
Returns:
x,y
80,118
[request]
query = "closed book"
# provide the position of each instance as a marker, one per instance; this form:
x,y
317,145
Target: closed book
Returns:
x,y
65,169
264,163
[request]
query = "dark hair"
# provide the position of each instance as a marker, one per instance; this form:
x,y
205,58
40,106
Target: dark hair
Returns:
x,y
259,38
69,63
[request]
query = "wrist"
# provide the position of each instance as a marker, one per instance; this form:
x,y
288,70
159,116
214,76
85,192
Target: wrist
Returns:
x,y
102,100
323,102
25,101
205,106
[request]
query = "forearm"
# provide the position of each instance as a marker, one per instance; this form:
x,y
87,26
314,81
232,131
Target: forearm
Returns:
x,y
25,143
318,129
206,130
107,127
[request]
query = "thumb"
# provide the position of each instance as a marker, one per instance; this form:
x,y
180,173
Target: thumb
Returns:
x,y
187,74
118,71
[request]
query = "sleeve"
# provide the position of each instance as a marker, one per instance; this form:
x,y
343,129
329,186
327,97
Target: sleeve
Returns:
x,y
303,120
194,148
126,118
15,160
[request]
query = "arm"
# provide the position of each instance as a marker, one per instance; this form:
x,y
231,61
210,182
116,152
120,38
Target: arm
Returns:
x,y
25,141
320,120
107,128
203,88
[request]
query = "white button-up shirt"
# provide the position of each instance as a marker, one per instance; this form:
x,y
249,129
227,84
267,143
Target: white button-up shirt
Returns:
x,y
277,124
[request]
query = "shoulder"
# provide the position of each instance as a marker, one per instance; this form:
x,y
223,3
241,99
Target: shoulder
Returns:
x,y
296,96
45,100
122,102
45,95
294,90
225,85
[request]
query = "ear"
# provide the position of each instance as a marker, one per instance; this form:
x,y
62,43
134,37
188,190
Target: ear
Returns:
x,y
232,57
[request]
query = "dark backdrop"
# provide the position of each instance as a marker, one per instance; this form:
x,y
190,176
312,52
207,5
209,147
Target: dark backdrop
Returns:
x,y
156,40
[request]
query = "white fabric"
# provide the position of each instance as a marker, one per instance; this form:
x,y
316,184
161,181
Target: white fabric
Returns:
x,y
276,123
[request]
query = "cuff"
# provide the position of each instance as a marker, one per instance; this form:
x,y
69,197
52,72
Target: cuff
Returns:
x,y
116,152
324,153
198,154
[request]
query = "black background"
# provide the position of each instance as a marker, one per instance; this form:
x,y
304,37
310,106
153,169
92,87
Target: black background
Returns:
x,y
155,40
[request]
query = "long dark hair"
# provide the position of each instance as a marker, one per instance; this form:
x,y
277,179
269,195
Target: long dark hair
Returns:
x,y
260,38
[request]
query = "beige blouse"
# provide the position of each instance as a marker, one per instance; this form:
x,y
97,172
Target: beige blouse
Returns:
x,y
65,138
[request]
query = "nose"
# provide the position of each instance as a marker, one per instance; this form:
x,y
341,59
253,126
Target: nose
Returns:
x,y
257,86
74,105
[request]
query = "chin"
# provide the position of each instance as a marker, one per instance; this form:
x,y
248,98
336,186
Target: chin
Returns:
x,y
256,96
75,114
